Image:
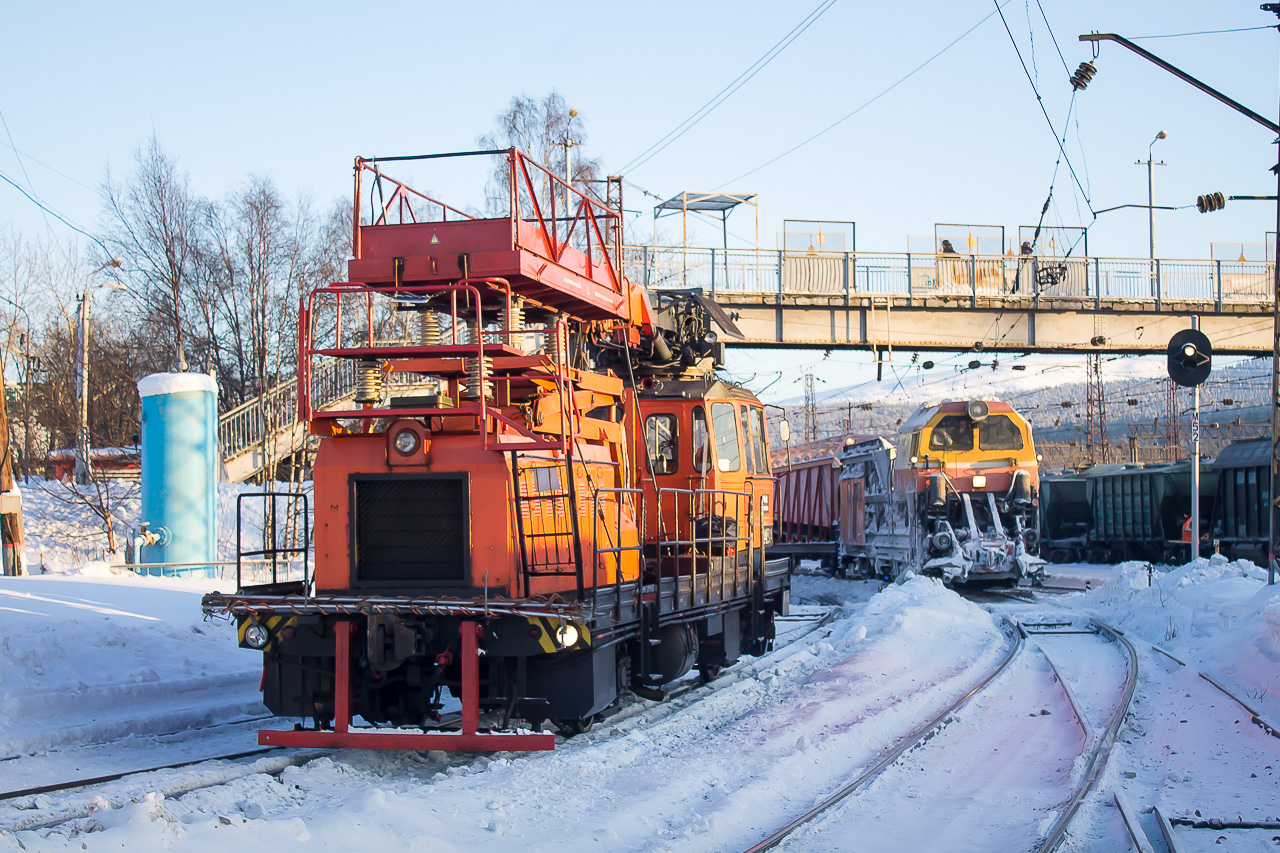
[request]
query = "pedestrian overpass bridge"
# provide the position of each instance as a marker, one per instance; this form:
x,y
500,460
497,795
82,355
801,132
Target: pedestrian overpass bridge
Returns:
x,y
950,302
882,302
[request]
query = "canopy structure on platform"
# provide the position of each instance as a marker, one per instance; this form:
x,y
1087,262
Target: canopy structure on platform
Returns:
x,y
709,205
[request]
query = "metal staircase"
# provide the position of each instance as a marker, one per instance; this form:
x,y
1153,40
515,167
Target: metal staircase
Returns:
x,y
266,429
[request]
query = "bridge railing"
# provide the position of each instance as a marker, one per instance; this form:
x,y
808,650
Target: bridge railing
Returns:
x,y
244,426
837,274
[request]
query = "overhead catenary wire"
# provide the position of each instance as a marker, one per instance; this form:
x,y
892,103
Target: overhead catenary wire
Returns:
x,y
1040,103
1205,32
863,106
728,91
53,213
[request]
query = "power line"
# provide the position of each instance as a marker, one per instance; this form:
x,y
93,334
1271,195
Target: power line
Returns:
x,y
1203,32
1040,103
53,213
47,166
840,121
724,94
1049,27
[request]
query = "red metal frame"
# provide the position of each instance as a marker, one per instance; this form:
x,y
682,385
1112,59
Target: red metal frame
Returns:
x,y
601,228
481,409
343,736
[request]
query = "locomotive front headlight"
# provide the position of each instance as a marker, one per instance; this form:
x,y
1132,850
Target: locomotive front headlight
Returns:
x,y
566,635
406,442
979,481
256,636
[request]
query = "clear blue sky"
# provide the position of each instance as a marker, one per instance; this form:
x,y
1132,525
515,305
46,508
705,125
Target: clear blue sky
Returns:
x,y
294,91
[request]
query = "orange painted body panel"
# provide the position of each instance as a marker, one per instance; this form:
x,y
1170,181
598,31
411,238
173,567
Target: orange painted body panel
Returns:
x,y
494,541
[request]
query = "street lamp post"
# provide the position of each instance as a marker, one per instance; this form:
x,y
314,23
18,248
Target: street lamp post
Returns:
x,y
1151,210
82,437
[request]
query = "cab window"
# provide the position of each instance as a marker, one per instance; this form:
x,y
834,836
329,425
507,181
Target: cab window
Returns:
x,y
701,441
747,439
999,432
954,432
661,436
757,441
725,427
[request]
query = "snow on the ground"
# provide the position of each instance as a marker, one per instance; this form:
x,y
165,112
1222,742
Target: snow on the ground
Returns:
x,y
704,775
89,656
1219,615
100,659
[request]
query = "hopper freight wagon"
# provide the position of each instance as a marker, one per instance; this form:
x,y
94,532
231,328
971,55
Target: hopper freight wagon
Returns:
x,y
1135,512
1240,518
953,495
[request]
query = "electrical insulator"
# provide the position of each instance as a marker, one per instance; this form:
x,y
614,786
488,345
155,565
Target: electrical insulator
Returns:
x,y
1083,75
1132,401
1227,401
1210,202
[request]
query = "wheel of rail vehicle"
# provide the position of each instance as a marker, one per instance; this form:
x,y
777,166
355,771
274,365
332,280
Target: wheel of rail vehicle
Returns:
x,y
569,728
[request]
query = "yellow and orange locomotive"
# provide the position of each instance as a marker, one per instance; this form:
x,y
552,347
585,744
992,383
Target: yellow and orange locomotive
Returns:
x,y
955,494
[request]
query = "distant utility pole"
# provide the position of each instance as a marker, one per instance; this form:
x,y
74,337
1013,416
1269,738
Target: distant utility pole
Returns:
x,y
810,409
1096,414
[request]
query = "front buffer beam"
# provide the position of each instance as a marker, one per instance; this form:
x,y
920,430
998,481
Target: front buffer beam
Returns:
x,y
344,736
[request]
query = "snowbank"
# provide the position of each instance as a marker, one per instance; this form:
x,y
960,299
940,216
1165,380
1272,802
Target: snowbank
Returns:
x,y
1217,614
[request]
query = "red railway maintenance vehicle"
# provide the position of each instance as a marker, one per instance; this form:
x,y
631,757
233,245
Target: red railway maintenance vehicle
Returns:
x,y
543,497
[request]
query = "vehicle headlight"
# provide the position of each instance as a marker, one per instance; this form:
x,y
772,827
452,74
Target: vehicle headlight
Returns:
x,y
979,481
406,442
566,635
256,636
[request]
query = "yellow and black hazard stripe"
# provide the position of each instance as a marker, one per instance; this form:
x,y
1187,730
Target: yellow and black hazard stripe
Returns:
x,y
558,635
275,625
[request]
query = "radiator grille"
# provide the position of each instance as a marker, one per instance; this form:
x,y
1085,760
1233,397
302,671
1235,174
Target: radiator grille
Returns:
x,y
409,529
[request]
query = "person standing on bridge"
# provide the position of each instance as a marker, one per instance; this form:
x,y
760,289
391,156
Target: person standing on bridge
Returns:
x,y
1025,261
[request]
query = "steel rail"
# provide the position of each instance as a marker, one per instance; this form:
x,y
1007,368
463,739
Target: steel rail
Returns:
x,y
1102,745
42,821
915,737
111,777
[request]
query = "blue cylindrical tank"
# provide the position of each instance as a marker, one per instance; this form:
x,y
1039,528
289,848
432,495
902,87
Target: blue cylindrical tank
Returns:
x,y
179,472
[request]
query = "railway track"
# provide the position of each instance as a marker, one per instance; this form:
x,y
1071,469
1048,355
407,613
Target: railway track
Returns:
x,y
1098,739
88,797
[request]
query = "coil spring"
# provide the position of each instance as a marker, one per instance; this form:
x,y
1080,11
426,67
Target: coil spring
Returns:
x,y
369,386
474,390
